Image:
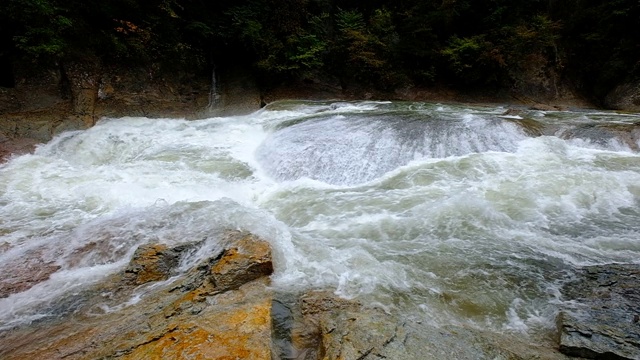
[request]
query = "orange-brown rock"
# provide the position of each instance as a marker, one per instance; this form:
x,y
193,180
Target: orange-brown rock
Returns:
x,y
236,327
185,319
151,262
248,259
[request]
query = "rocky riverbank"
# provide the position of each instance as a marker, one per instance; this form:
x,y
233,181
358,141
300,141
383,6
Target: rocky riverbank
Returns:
x,y
77,95
224,308
218,309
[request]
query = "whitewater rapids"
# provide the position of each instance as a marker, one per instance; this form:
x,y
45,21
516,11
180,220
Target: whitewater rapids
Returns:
x,y
448,213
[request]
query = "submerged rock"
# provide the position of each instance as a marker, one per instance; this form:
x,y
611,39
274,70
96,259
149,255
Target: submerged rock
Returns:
x,y
603,322
327,327
21,274
17,146
133,316
624,134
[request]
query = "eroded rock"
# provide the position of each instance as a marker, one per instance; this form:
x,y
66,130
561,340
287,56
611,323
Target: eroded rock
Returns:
x,y
248,259
603,321
128,317
17,146
84,78
21,274
331,328
153,262
603,134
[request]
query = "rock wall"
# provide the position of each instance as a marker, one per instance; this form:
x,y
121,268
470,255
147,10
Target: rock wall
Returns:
x,y
624,97
83,77
77,94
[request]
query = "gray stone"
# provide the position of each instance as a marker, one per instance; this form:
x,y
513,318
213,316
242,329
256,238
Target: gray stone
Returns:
x,y
603,321
72,123
627,134
333,328
624,97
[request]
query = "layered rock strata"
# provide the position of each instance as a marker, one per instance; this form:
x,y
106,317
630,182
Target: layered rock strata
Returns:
x,y
219,309
602,319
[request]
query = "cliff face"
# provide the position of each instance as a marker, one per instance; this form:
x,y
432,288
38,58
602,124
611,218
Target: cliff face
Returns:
x,y
79,93
625,97
74,96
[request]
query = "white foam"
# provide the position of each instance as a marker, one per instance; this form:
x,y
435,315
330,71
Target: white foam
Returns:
x,y
404,210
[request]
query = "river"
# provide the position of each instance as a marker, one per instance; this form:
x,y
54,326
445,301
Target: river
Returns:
x,y
447,213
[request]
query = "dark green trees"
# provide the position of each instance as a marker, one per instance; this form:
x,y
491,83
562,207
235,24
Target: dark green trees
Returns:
x,y
376,43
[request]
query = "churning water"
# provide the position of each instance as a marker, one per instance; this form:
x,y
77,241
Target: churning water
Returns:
x,y
452,214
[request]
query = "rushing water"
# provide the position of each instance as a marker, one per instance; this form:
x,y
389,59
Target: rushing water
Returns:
x,y
449,213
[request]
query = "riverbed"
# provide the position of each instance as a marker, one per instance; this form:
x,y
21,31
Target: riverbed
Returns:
x,y
451,214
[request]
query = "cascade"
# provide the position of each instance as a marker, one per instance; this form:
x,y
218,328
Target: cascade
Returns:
x,y
456,214
214,92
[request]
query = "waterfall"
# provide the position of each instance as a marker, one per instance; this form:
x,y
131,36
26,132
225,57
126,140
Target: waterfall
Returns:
x,y
214,92
359,148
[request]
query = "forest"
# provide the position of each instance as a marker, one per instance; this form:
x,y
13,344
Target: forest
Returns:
x,y
378,43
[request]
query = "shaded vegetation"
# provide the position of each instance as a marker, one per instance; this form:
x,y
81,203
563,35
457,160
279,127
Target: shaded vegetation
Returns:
x,y
384,44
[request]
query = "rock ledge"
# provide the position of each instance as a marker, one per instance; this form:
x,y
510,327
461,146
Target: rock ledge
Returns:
x,y
604,321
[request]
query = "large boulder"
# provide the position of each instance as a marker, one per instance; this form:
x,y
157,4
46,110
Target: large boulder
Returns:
x,y
152,310
602,321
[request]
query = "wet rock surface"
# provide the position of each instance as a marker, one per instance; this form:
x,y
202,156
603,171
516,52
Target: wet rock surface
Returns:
x,y
327,327
603,322
143,314
222,307
18,146
25,274
624,134
154,262
605,134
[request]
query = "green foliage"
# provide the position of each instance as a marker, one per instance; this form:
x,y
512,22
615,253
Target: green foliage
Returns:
x,y
537,34
380,43
365,47
473,59
349,21
463,53
602,40
43,27
307,52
